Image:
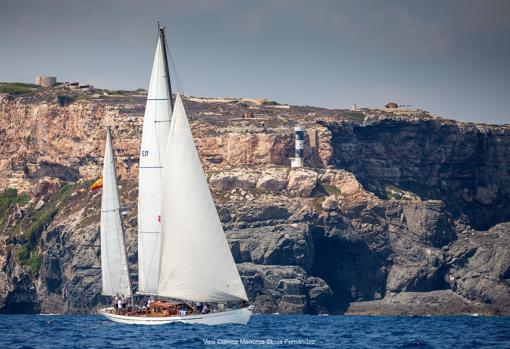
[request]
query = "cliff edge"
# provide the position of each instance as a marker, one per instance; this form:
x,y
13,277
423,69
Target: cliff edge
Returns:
x,y
396,212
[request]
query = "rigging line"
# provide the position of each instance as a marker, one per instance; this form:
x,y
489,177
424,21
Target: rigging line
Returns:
x,y
157,105
165,61
177,77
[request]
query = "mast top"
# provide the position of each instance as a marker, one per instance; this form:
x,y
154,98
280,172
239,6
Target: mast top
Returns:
x,y
165,58
161,28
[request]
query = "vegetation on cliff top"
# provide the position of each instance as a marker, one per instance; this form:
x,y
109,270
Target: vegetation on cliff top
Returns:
x,y
353,115
16,88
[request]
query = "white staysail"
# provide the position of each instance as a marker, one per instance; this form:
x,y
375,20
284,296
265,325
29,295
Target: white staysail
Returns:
x,y
114,266
196,262
156,124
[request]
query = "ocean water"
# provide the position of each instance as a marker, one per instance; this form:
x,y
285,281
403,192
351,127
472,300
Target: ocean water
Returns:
x,y
263,331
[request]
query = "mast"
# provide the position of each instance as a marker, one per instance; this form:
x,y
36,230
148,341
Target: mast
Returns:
x,y
161,31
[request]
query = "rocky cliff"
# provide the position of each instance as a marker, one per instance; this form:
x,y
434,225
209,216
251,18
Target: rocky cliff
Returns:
x,y
397,211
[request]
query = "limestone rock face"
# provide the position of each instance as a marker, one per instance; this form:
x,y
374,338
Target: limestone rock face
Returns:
x,y
398,213
231,180
460,164
39,205
273,180
330,204
302,182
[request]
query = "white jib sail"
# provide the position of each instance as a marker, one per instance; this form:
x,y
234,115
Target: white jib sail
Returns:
x,y
114,266
156,125
196,262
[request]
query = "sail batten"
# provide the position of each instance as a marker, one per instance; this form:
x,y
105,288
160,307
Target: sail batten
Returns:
x,y
196,263
156,126
114,264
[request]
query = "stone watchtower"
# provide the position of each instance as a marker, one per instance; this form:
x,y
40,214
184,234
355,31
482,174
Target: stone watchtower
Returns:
x,y
45,81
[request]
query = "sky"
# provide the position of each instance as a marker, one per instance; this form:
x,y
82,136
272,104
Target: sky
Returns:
x,y
451,58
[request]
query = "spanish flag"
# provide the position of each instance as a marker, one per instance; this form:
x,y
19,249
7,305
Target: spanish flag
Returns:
x,y
98,184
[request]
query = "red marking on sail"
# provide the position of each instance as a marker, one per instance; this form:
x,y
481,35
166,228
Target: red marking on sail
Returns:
x,y
159,218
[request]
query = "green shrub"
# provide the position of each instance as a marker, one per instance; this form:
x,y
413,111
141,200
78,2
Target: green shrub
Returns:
x,y
34,263
317,203
65,100
83,97
331,189
24,254
65,192
8,198
353,115
16,88
37,227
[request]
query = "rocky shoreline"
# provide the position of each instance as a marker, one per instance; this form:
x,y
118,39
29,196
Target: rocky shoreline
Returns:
x,y
397,211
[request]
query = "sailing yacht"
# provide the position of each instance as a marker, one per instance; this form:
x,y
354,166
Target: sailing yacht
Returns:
x,y
183,255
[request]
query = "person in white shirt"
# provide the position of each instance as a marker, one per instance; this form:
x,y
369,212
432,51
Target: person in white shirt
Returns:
x,y
150,301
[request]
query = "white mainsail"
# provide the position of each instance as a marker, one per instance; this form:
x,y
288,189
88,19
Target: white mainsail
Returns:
x,y
156,124
196,262
114,266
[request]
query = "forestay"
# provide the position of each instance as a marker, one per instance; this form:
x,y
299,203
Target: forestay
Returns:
x,y
114,266
196,262
156,124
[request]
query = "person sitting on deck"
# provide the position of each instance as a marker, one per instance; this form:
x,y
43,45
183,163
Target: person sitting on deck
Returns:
x,y
199,307
205,310
150,301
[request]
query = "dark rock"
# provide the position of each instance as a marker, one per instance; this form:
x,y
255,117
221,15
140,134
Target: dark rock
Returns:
x,y
275,288
430,222
479,267
416,268
419,303
275,245
320,295
391,105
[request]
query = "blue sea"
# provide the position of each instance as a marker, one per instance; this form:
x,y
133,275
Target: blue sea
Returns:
x,y
263,331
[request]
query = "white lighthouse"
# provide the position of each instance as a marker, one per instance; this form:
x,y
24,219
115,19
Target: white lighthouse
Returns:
x,y
298,159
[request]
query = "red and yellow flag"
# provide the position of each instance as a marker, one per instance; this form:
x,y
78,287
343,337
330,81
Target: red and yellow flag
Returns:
x,y
98,184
